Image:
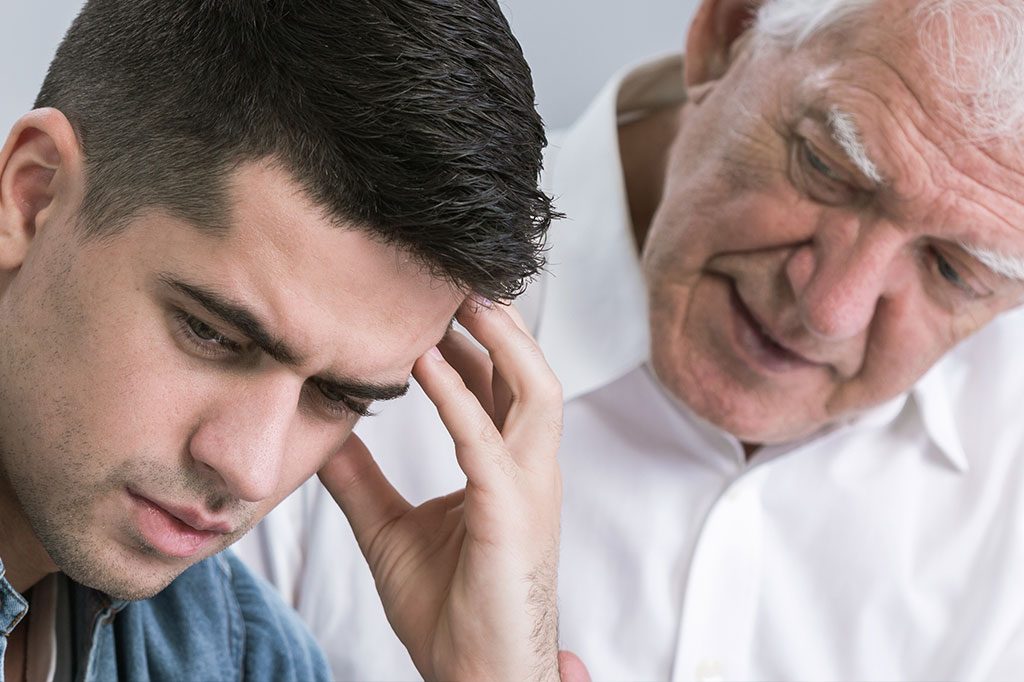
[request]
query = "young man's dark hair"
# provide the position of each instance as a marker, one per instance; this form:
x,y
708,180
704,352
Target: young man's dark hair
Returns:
x,y
412,119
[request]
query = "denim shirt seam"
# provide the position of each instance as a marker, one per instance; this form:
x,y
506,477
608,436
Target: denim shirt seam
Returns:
x,y
235,620
10,593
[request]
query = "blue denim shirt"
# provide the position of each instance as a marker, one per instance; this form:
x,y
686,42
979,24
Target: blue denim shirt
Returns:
x,y
216,621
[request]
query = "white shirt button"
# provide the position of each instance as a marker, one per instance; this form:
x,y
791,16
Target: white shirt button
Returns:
x,y
709,670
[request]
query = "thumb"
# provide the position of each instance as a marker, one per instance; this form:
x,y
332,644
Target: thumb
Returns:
x,y
360,488
571,668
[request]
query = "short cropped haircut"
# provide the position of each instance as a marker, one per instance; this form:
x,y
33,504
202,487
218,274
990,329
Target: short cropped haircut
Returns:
x,y
412,120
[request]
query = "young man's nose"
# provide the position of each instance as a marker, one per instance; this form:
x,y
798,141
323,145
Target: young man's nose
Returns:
x,y
243,439
839,277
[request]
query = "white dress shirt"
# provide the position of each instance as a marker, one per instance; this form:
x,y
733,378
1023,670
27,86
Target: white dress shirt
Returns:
x,y
887,547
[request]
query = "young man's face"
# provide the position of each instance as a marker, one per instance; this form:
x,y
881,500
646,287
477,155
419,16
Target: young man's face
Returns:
x,y
143,425
817,244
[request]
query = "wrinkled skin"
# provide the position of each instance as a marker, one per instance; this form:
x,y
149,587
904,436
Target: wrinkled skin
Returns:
x,y
765,224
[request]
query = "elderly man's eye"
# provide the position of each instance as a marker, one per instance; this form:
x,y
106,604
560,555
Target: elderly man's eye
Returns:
x,y
947,271
817,163
953,275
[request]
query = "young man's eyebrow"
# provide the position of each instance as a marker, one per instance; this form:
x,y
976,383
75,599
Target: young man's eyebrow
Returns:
x,y
238,316
246,322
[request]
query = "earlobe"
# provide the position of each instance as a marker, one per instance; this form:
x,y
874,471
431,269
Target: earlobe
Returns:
x,y
716,27
40,170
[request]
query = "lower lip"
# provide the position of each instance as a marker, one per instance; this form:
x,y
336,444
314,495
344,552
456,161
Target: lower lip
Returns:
x,y
760,350
166,533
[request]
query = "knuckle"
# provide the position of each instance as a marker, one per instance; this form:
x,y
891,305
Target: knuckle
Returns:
x,y
489,437
556,428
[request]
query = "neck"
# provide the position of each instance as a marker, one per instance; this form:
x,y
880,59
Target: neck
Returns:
x,y
25,560
644,148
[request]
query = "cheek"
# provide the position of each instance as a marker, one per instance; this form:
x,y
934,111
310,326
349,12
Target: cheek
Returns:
x,y
720,206
908,335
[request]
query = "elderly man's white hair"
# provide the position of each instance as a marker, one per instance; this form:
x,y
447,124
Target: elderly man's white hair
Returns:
x,y
976,48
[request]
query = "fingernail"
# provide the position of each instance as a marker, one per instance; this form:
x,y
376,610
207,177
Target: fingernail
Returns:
x,y
435,354
482,301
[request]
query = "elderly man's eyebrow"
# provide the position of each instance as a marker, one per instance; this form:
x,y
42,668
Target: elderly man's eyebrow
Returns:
x,y
846,134
1009,267
249,324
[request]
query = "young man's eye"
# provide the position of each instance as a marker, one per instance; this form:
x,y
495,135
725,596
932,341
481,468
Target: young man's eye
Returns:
x,y
203,330
204,337
338,403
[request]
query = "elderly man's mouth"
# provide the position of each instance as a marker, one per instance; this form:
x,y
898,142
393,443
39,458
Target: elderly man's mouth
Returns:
x,y
757,344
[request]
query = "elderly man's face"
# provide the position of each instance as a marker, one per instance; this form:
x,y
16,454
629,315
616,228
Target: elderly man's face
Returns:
x,y
823,234
163,389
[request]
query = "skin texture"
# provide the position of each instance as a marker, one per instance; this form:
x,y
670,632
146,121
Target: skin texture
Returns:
x,y
759,205
124,396
119,385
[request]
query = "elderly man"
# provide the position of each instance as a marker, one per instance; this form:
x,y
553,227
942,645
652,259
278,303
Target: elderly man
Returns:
x,y
228,228
770,246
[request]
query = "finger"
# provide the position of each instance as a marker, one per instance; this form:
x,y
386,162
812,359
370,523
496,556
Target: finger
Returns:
x,y
479,447
473,366
501,397
513,312
365,495
533,422
501,394
571,668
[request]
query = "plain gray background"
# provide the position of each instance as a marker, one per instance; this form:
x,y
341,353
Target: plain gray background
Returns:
x,y
572,45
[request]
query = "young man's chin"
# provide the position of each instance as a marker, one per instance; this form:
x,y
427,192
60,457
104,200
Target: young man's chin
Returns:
x,y
126,574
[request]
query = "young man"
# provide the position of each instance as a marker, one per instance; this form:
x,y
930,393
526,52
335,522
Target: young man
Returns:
x,y
226,231
777,466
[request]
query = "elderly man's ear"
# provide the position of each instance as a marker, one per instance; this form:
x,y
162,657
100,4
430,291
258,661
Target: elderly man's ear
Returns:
x,y
716,27
40,174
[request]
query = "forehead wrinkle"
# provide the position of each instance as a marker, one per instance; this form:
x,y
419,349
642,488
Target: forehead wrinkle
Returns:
x,y
846,134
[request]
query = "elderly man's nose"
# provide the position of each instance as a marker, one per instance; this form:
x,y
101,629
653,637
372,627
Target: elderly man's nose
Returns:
x,y
837,292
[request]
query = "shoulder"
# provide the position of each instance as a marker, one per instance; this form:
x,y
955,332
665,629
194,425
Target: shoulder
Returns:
x,y
278,646
220,620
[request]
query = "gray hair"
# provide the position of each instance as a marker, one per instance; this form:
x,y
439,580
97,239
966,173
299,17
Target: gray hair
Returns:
x,y
976,48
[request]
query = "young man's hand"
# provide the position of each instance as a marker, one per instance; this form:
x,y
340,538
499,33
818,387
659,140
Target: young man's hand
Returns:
x,y
468,580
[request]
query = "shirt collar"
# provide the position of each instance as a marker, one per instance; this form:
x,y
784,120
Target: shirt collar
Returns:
x,y
932,396
593,323
13,606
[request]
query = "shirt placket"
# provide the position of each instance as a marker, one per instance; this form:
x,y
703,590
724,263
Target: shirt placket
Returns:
x,y
720,605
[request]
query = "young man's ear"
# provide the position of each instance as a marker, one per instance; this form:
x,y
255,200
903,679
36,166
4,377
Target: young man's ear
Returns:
x,y
717,25
40,171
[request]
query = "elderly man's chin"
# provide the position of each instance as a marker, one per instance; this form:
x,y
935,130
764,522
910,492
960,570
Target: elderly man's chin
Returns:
x,y
757,410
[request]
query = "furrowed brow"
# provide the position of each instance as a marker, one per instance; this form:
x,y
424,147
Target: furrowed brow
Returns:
x,y
846,134
246,322
363,390
238,316
1009,267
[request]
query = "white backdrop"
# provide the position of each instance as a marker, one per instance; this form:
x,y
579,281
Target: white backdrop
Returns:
x,y
573,46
